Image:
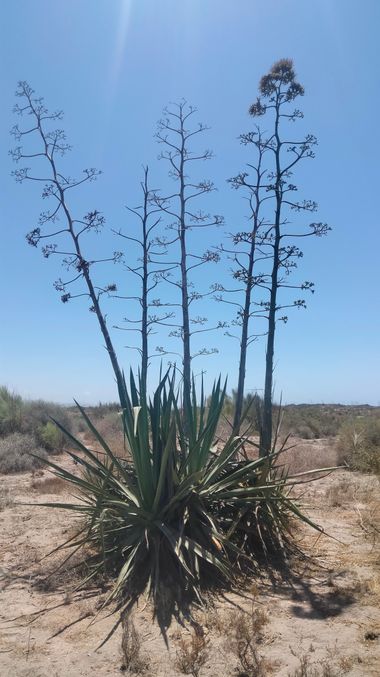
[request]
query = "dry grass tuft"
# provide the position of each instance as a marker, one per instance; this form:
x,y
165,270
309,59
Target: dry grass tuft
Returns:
x,y
15,453
358,443
351,490
341,492
48,485
346,663
110,426
214,620
192,654
63,576
6,499
133,661
369,520
322,668
245,631
309,455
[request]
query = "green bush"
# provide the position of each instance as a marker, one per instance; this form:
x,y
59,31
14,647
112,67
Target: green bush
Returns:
x,y
358,444
38,413
15,450
10,411
33,417
50,437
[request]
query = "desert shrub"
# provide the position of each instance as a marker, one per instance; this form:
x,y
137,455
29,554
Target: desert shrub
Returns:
x,y
102,410
78,425
15,450
358,444
48,485
305,432
34,417
37,415
322,668
192,654
10,411
5,498
50,437
110,426
178,517
133,661
309,455
104,416
244,633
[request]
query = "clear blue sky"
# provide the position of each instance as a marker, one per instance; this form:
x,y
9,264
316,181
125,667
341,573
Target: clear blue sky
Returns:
x,y
112,65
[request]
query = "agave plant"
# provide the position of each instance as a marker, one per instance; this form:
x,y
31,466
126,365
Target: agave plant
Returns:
x,y
183,512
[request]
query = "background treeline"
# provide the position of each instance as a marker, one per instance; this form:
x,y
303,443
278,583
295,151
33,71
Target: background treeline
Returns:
x,y
352,431
26,427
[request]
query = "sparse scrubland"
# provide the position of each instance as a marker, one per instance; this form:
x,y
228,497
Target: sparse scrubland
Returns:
x,y
323,620
320,435
349,434
279,620
197,522
359,442
27,431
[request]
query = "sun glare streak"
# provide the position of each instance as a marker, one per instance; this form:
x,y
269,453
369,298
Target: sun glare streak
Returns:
x,y
120,43
121,19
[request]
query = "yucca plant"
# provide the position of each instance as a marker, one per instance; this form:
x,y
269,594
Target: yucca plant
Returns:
x,y
182,512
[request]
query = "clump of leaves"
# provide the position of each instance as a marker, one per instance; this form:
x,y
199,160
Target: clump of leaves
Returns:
x,y
10,411
184,513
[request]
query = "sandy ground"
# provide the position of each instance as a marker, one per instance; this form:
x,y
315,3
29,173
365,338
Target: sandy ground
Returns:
x,y
328,618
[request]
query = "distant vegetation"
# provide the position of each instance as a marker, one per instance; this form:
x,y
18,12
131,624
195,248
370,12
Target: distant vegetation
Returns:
x,y
359,443
26,428
314,421
108,421
354,430
308,421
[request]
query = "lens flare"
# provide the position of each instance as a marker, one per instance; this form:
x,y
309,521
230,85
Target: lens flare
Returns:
x,y
120,43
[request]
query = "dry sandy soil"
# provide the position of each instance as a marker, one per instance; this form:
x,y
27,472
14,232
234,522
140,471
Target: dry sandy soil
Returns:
x,y
325,622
